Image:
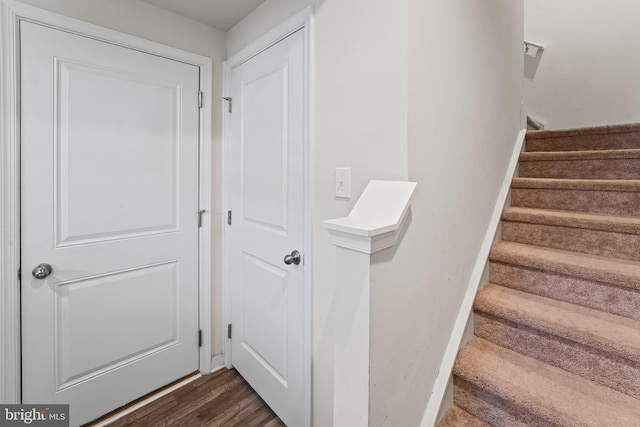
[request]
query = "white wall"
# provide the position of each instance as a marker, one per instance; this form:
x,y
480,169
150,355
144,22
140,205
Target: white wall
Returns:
x,y
588,73
149,22
415,89
360,121
465,89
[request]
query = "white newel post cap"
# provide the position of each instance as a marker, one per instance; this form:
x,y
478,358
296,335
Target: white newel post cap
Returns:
x,y
376,219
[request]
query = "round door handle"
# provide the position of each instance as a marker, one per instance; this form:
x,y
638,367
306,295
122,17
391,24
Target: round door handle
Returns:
x,y
293,258
42,271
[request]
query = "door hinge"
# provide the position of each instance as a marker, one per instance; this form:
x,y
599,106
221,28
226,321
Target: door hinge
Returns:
x,y
199,337
200,213
229,331
229,217
229,102
200,97
19,273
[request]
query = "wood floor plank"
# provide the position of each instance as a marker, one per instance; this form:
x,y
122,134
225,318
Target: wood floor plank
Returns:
x,y
204,394
163,404
190,410
230,408
236,415
220,395
261,417
222,399
274,422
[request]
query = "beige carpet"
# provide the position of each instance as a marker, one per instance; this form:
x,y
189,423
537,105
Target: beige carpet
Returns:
x,y
557,328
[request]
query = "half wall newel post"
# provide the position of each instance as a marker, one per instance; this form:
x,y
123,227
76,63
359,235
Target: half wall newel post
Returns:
x,y
375,223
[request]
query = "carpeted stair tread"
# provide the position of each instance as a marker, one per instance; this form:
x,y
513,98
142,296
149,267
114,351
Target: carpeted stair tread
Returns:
x,y
593,138
621,185
596,234
550,156
549,393
457,417
612,196
603,331
617,272
593,130
589,164
594,294
592,221
598,365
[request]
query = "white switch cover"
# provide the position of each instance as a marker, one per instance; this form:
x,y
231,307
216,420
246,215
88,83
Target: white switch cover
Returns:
x,y
343,183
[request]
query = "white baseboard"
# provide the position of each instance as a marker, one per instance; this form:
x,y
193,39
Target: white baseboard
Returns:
x,y
438,394
217,362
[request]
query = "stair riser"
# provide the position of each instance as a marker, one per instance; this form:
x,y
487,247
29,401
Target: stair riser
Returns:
x,y
596,365
614,141
594,242
492,409
582,169
611,202
587,293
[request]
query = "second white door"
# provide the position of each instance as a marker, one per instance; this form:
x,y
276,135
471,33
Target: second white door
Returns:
x,y
266,235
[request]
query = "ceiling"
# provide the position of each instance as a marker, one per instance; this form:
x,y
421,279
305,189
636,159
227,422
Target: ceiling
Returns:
x,y
221,14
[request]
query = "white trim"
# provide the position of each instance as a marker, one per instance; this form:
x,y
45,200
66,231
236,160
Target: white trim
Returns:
x,y
365,244
303,20
309,54
204,273
466,310
9,213
300,20
11,13
225,292
217,363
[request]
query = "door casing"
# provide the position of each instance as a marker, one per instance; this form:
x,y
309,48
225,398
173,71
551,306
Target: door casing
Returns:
x,y
11,13
301,21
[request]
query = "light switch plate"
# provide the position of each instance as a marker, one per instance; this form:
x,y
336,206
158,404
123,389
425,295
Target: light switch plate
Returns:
x,y
343,183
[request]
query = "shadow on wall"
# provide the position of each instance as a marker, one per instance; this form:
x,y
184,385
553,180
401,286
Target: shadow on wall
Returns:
x,y
532,59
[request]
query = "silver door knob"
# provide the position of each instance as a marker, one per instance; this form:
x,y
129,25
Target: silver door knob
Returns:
x,y
294,258
41,271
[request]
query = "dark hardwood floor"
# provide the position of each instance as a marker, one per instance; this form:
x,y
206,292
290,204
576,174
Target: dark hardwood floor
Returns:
x,y
223,398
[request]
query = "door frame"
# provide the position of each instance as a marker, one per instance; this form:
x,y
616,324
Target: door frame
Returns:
x,y
302,21
11,13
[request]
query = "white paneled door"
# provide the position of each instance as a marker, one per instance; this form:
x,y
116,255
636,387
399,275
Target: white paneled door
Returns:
x,y
266,235
109,175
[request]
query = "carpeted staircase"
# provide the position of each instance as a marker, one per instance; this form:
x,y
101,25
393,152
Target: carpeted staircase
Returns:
x,y
557,328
